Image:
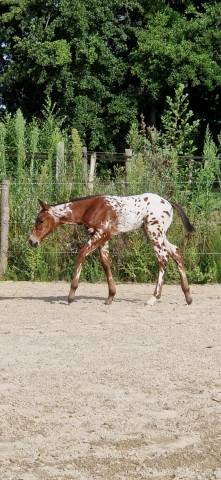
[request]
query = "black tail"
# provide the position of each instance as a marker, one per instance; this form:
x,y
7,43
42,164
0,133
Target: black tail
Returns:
x,y
190,228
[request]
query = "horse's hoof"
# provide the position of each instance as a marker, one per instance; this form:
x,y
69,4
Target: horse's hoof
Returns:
x,y
71,297
152,301
189,300
108,301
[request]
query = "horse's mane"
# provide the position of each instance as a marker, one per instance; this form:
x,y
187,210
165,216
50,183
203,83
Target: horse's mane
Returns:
x,y
76,199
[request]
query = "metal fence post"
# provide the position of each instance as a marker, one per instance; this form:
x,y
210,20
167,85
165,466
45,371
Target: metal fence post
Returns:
x,y
4,188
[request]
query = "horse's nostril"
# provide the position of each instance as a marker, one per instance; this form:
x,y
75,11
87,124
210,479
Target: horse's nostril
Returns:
x,y
33,243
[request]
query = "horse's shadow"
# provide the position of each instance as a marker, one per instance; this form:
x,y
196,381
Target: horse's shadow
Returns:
x,y
63,300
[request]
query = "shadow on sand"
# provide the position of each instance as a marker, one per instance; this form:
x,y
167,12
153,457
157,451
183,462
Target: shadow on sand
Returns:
x,y
64,299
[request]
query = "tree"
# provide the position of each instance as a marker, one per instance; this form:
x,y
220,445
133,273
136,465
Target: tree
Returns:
x,y
105,62
76,51
174,47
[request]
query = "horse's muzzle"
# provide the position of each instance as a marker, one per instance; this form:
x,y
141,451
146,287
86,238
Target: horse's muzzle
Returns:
x,y
33,242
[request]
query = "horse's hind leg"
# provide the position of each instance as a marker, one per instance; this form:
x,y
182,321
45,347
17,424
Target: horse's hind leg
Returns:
x,y
162,257
104,256
155,235
177,257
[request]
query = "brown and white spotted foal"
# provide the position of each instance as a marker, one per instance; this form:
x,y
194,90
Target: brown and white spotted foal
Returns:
x,y
105,216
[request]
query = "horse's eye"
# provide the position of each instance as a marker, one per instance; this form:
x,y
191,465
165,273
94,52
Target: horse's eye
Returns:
x,y
39,222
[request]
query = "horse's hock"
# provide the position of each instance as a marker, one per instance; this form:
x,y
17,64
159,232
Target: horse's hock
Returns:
x,y
4,225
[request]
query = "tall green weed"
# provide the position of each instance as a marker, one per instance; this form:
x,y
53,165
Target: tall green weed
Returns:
x,y
28,157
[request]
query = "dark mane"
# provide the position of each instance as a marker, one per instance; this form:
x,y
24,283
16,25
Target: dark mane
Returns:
x,y
86,197
76,199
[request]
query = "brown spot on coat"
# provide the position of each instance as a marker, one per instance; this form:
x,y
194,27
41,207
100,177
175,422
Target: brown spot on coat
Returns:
x,y
154,222
165,211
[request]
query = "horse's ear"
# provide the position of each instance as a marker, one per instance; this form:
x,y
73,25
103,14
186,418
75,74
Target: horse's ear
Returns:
x,y
44,205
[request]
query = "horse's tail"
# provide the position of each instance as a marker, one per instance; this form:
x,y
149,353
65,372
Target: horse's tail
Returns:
x,y
190,228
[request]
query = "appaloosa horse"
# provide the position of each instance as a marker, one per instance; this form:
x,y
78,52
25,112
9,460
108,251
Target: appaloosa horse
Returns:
x,y
105,216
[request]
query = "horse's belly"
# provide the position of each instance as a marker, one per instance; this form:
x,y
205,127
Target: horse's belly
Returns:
x,y
126,223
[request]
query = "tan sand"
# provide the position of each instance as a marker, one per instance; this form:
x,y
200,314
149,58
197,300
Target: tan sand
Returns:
x,y
125,392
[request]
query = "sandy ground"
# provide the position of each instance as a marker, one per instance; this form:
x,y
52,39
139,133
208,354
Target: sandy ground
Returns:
x,y
125,392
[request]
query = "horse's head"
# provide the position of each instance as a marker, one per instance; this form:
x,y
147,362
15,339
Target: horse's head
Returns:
x,y
44,224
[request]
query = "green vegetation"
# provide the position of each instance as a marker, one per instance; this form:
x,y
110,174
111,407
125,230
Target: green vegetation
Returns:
x,y
29,156
106,62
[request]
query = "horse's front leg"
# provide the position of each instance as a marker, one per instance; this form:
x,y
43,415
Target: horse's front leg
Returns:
x,y
98,240
104,256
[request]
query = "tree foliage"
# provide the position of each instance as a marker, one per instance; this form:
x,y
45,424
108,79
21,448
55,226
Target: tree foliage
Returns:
x,y
105,62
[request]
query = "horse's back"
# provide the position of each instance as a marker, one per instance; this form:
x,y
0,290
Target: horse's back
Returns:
x,y
132,211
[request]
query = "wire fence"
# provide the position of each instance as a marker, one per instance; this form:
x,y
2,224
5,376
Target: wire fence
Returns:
x,y
23,200
24,224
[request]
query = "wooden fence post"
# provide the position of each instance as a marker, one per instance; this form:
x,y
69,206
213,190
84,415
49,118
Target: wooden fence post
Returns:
x,y
84,164
128,163
92,172
4,189
59,162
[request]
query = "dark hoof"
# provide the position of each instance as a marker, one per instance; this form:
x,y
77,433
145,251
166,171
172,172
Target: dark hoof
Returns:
x,y
71,297
189,300
108,301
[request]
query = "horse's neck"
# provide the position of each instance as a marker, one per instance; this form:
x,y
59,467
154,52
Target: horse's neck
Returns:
x,y
70,213
63,212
